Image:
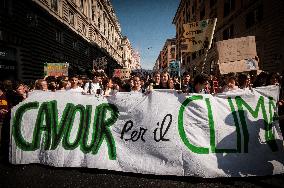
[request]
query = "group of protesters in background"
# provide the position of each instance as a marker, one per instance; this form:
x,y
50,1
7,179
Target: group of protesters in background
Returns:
x,y
13,92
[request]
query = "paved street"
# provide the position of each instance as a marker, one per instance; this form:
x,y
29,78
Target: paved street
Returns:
x,y
35,175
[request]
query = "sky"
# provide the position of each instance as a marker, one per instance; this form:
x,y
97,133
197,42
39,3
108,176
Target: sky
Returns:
x,y
147,24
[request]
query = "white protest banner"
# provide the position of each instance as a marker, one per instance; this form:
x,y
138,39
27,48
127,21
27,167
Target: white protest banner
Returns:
x,y
123,74
198,35
236,49
165,133
56,69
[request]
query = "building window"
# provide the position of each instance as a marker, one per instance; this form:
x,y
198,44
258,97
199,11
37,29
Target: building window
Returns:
x,y
99,22
58,36
93,12
172,53
228,33
71,18
87,51
211,67
213,13
212,2
81,6
187,16
193,55
100,6
54,5
4,4
202,13
84,30
104,29
254,17
229,6
188,60
75,45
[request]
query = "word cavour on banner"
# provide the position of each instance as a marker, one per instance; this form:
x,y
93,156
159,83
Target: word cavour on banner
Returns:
x,y
162,133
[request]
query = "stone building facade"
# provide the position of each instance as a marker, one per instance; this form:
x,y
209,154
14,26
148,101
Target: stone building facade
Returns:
x,y
167,55
34,32
130,56
235,18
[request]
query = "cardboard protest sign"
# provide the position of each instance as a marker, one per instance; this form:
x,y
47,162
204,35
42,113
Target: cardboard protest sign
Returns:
x,y
198,35
233,134
238,66
56,69
123,74
236,49
237,55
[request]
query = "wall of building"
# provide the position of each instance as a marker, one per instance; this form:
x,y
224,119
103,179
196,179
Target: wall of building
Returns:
x,y
260,18
35,32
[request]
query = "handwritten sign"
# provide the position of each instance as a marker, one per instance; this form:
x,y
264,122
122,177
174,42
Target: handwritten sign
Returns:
x,y
236,49
198,35
163,133
238,66
56,69
122,73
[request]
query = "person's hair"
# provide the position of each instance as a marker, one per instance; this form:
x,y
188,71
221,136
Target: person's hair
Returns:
x,y
105,82
74,76
185,73
273,75
156,72
62,84
38,84
50,79
260,79
117,80
242,78
138,76
200,79
52,86
17,84
8,85
231,76
126,87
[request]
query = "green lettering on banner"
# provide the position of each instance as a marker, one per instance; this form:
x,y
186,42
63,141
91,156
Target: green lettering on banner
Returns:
x,y
54,132
43,124
269,137
66,141
211,126
236,122
84,147
59,129
101,125
193,148
17,123
212,132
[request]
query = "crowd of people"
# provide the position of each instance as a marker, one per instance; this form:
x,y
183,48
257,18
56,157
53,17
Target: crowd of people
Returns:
x,y
13,92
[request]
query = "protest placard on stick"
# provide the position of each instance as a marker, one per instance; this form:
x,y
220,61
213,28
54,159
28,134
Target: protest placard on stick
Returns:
x,y
56,69
123,74
237,55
